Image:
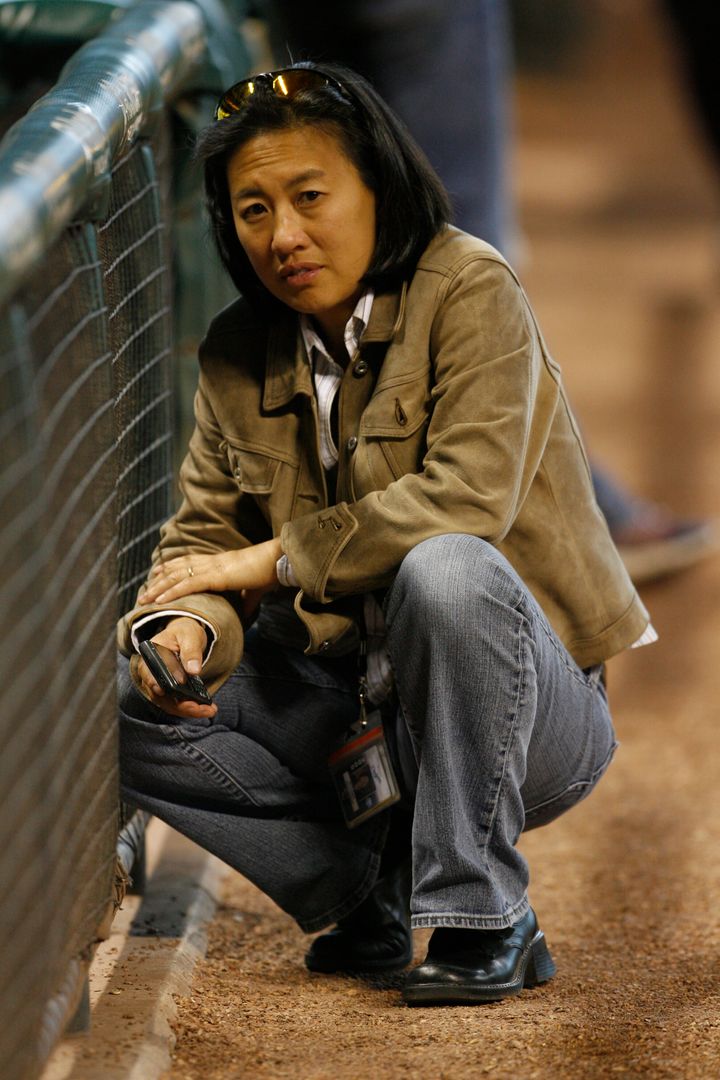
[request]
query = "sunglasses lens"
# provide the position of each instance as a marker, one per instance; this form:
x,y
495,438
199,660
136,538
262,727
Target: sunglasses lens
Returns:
x,y
289,83
234,99
285,84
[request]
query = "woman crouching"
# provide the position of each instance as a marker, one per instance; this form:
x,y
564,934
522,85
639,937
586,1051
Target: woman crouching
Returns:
x,y
388,565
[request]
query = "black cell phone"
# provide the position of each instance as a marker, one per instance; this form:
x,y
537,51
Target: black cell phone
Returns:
x,y
193,689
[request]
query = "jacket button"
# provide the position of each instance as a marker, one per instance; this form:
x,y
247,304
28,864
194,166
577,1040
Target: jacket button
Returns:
x,y
351,443
323,646
360,369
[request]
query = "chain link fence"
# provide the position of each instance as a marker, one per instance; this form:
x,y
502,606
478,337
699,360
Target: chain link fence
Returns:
x,y
87,412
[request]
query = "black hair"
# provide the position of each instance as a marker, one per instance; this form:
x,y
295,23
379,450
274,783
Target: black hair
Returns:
x,y
411,202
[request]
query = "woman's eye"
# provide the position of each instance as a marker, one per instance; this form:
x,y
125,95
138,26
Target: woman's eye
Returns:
x,y
255,210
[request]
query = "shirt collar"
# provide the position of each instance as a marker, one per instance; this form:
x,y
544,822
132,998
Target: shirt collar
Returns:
x,y
354,328
288,372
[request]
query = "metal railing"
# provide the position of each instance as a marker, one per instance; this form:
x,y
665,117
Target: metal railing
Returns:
x,y
86,418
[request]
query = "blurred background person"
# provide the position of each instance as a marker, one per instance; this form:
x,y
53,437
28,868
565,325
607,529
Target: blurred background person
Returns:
x,y
696,27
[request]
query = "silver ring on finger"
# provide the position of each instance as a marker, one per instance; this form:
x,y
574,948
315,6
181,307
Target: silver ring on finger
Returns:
x,y
191,572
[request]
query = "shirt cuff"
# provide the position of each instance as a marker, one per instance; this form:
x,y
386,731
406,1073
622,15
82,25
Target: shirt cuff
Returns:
x,y
648,638
285,573
163,616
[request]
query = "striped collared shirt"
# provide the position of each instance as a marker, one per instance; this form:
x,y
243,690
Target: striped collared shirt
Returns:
x,y
327,376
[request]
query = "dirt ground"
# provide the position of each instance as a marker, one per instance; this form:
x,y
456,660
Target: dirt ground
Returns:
x,y
622,264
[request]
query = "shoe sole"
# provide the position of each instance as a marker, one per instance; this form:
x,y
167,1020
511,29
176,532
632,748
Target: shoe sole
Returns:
x,y
536,966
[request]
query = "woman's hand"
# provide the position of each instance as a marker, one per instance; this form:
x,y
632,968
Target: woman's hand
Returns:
x,y
185,637
250,571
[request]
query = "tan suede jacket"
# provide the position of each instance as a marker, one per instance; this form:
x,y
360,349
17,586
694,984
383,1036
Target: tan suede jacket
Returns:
x,y
452,419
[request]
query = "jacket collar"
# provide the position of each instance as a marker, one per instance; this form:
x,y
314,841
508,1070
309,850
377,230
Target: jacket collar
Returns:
x,y
386,317
287,369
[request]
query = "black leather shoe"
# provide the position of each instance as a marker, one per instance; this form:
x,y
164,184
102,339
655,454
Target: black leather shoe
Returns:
x,y
376,936
464,967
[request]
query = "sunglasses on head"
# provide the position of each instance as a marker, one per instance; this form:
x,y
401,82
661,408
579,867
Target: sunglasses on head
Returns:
x,y
285,83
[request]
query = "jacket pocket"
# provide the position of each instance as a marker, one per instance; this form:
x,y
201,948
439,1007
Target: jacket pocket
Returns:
x,y
392,437
270,481
255,473
396,411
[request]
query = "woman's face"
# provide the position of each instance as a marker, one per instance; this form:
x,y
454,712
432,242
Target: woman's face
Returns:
x,y
306,221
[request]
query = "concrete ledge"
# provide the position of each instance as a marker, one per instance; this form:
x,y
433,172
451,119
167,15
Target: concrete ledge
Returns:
x,y
150,957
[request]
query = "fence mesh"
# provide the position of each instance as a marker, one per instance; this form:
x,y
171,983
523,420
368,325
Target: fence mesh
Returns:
x,y
86,414
85,444
135,270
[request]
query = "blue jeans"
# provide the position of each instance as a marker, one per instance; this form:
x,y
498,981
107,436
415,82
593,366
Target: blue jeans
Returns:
x,y
495,729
